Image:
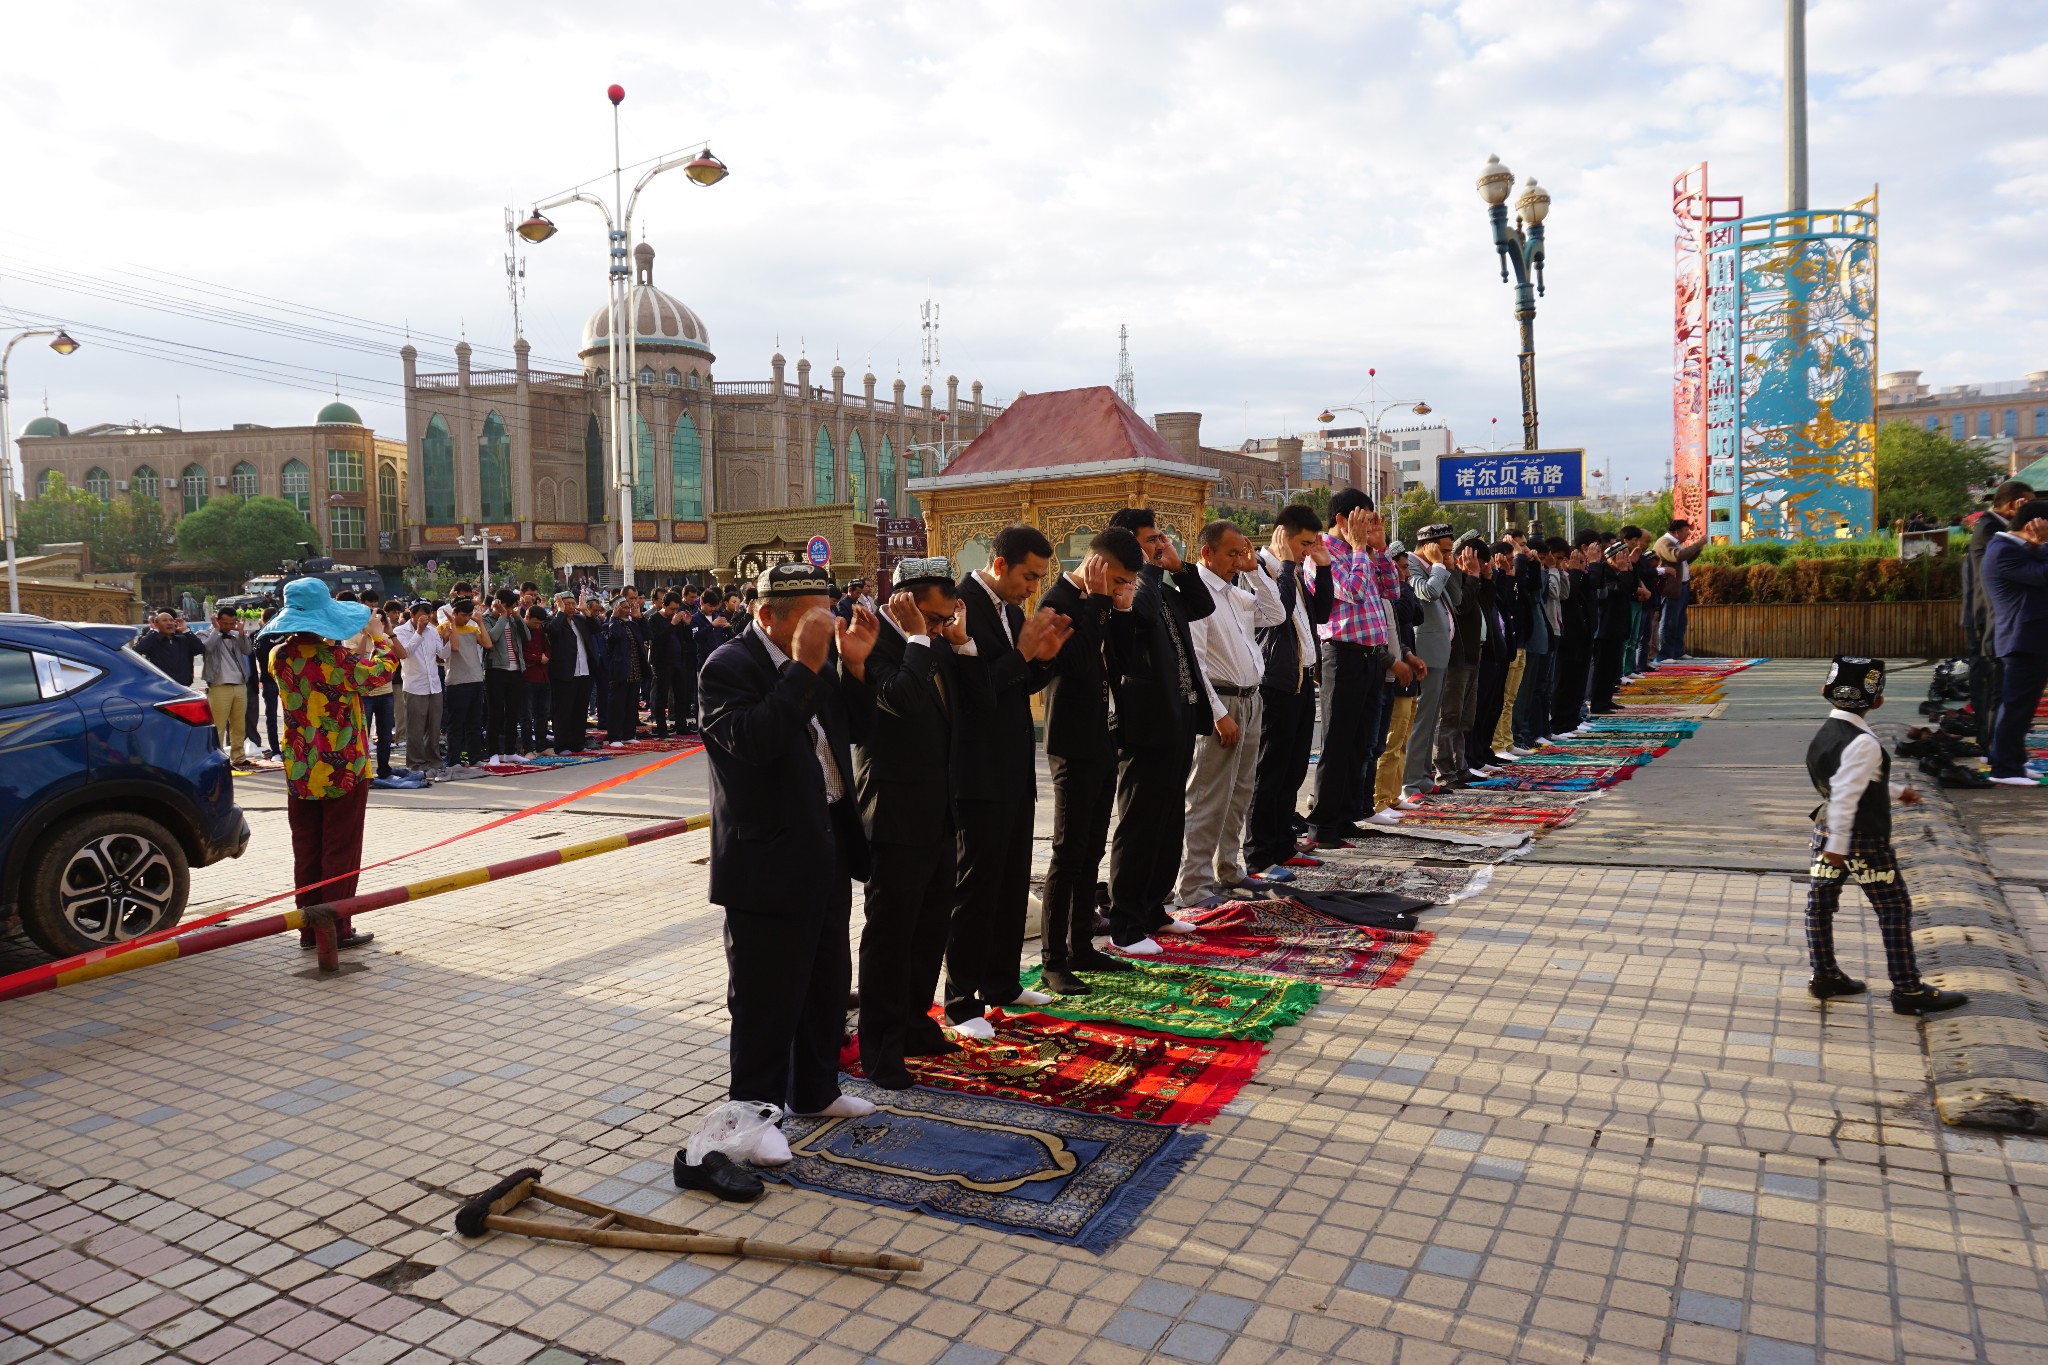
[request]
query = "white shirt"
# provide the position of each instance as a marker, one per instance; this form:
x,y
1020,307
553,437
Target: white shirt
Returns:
x,y
424,649
582,669
1304,629
835,785
1861,763
981,577
1224,639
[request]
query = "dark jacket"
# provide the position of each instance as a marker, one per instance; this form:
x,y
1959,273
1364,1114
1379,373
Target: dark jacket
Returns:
x,y
1284,664
1465,616
1151,710
994,756
172,654
563,629
672,646
903,770
2016,581
1977,602
1077,719
1614,598
771,830
709,636
625,650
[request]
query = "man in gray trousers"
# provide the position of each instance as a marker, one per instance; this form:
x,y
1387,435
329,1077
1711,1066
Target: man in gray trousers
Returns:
x,y
1436,588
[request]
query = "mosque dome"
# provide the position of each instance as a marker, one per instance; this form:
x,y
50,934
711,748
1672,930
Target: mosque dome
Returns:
x,y
339,413
662,321
45,426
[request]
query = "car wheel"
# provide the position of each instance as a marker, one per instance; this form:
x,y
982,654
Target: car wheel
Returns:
x,y
103,879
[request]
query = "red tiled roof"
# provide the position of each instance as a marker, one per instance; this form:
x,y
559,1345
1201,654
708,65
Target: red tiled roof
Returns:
x,y
1071,426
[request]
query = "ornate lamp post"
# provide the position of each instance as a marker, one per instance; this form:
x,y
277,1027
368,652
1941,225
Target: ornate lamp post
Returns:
x,y
703,169
1374,411
1519,247
62,344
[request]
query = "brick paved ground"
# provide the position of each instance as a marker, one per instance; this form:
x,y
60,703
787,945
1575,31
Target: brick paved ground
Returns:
x,y
1600,1121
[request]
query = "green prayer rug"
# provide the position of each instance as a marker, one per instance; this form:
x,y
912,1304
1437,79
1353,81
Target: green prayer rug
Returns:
x,y
1195,1002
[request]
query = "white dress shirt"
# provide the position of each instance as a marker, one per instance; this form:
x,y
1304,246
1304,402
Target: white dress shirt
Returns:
x,y
835,785
1861,763
1304,629
1224,639
981,577
424,649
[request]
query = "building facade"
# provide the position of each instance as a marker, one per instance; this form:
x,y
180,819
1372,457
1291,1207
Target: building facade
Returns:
x,y
349,483
1258,475
524,454
2009,414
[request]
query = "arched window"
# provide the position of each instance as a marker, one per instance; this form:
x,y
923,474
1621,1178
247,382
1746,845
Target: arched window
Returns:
x,y
243,480
1960,426
145,484
643,471
673,378
823,482
192,483
98,483
686,471
693,379
1934,424
53,482
297,482
647,376
913,468
387,497
1984,424
885,476
437,461
494,470
2012,422
857,476
594,509
2041,421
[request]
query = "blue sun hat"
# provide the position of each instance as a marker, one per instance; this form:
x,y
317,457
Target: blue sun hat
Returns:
x,y
310,608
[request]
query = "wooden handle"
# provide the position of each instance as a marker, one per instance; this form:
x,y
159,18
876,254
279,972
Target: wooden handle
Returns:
x,y
701,1244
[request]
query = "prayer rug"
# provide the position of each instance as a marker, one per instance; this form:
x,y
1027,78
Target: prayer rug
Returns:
x,y
1287,939
1437,885
540,763
1369,909
1614,725
1078,1179
1575,749
1090,1068
1196,1002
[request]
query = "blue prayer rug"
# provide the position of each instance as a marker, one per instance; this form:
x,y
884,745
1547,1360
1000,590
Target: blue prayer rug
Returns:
x,y
1081,1179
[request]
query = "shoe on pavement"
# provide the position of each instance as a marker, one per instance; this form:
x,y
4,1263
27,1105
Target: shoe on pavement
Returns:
x,y
977,1027
1833,984
1144,947
1925,999
718,1174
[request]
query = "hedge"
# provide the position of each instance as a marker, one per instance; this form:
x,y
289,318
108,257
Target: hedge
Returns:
x,y
1847,578
1881,546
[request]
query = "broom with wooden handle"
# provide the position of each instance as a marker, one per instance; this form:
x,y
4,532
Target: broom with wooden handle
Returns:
x,y
492,1211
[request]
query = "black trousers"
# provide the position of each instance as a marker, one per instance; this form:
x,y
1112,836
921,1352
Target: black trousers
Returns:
x,y
622,720
1355,675
540,708
1493,687
664,701
572,713
908,907
504,698
1874,867
1151,822
465,715
2021,678
992,888
1288,730
788,969
1985,682
1607,668
1083,795
1569,689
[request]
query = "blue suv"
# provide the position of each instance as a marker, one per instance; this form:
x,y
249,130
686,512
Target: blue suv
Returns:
x,y
112,788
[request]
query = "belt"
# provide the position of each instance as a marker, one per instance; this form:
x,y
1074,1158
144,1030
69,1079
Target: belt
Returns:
x,y
1226,690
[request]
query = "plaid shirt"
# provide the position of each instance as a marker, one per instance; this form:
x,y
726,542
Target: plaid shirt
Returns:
x,y
1366,583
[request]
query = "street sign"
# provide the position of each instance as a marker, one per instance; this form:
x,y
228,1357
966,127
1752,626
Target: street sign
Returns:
x,y
1512,476
819,552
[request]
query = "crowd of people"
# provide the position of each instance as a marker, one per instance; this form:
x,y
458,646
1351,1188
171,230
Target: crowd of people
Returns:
x,y
2005,616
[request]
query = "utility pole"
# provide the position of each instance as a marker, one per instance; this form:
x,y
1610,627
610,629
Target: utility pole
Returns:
x,y
1795,106
1126,381
930,313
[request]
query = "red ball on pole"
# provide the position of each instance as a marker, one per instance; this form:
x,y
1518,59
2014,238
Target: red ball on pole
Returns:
x,y
615,93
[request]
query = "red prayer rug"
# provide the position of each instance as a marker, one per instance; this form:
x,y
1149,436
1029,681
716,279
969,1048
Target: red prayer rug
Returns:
x,y
1092,1068
1283,938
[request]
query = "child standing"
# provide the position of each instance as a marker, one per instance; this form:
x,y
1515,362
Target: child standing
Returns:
x,y
1852,841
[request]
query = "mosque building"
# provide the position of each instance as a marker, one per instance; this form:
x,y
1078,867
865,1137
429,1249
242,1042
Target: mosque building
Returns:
x,y
729,476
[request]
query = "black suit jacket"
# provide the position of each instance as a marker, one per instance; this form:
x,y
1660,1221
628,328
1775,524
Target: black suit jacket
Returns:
x,y
1278,643
770,826
903,771
1151,710
994,756
563,629
1077,695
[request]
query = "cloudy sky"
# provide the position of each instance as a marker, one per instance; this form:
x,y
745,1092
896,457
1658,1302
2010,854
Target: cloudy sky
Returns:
x,y
1274,197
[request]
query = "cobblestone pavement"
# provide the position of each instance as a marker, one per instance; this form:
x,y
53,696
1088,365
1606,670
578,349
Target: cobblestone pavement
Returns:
x,y
1600,1121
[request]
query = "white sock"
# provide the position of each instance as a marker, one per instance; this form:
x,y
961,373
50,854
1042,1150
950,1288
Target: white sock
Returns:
x,y
771,1148
845,1107
1144,947
1175,926
1027,996
976,1027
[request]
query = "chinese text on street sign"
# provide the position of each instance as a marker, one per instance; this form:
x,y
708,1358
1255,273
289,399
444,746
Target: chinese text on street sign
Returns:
x,y
1512,476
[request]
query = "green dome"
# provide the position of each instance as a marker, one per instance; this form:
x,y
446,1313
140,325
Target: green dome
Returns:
x,y
46,426
339,413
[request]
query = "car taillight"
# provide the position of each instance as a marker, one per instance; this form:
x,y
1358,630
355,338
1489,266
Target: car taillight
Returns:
x,y
191,710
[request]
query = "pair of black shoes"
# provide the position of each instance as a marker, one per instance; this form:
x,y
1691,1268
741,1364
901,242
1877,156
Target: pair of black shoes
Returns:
x,y
1920,999
718,1174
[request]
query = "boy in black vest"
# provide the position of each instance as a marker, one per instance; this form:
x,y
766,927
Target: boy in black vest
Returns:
x,y
1852,841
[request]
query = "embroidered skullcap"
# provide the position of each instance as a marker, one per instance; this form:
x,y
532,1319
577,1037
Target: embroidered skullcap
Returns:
x,y
924,573
1438,530
1617,549
794,580
1469,538
1854,683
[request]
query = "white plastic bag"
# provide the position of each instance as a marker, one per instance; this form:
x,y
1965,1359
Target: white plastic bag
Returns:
x,y
732,1128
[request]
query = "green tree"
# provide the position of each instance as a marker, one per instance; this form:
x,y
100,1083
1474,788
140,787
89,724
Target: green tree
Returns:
x,y
125,536
59,515
1245,519
1928,473
243,535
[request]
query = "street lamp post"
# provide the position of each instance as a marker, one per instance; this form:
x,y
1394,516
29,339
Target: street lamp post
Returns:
x,y
703,169
1519,247
482,541
62,344
1374,410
